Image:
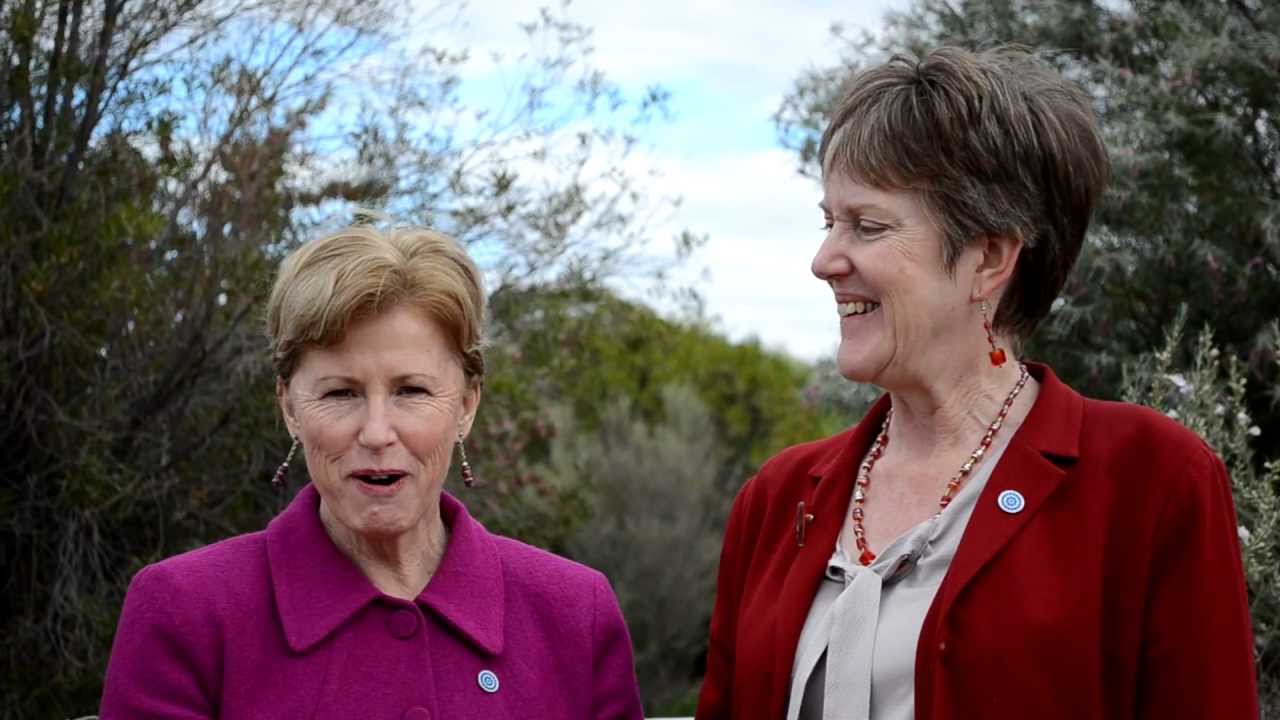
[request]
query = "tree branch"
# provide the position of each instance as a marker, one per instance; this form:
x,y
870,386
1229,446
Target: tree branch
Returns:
x,y
54,71
93,96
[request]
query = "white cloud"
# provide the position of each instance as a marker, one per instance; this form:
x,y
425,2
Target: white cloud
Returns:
x,y
763,226
748,43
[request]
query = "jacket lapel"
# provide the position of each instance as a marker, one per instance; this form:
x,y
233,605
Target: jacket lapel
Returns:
x,y
468,591
826,497
1034,465
317,588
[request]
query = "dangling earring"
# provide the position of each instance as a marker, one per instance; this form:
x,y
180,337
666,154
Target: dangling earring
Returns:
x,y
284,466
468,477
997,354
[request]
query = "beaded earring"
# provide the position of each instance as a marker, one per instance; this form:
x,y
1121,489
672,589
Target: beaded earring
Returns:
x,y
997,354
284,466
468,477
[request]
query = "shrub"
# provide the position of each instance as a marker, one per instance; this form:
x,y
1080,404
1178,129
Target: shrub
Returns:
x,y
654,528
1206,392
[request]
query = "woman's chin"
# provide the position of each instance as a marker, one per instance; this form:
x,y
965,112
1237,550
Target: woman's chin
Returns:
x,y
382,527
854,365
378,520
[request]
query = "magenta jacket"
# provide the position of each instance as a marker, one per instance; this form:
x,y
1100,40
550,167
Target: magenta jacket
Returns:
x,y
280,624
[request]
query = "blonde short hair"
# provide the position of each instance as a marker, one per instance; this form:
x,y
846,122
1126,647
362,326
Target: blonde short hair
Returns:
x,y
358,272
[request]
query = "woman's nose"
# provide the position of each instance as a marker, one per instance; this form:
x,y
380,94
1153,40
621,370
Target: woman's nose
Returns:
x,y
829,263
376,431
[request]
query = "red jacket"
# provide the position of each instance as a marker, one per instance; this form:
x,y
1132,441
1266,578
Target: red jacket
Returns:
x,y
1117,592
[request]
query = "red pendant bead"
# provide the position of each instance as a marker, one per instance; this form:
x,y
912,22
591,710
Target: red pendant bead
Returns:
x,y
867,557
998,357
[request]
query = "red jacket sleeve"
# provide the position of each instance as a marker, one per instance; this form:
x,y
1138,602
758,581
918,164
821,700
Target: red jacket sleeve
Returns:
x,y
1197,654
715,699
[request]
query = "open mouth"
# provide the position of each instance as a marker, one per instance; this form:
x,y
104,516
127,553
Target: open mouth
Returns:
x,y
379,479
856,308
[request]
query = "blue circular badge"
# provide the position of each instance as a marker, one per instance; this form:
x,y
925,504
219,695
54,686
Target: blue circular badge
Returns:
x,y
1011,501
488,681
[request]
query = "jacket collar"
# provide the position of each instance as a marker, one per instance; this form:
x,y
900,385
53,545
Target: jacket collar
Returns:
x,y
318,589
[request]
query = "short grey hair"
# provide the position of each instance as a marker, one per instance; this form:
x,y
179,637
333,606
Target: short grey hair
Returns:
x,y
995,143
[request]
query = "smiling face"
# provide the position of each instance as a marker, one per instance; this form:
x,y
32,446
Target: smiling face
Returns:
x,y
378,414
902,316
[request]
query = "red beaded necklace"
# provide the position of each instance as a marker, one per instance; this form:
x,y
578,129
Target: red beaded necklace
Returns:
x,y
866,557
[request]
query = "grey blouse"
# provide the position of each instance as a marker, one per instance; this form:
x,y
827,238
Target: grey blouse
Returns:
x,y
857,651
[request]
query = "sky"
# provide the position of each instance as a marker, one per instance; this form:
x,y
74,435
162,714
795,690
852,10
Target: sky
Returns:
x,y
727,64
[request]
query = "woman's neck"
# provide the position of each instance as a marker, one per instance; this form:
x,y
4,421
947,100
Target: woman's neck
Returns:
x,y
398,565
949,413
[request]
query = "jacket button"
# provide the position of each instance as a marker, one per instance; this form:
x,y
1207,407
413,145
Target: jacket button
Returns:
x,y
403,623
417,713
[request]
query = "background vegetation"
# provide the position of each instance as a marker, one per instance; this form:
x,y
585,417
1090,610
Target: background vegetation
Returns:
x,y
157,159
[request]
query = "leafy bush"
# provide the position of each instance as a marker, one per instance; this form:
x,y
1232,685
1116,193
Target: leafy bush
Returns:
x,y
1206,392
654,528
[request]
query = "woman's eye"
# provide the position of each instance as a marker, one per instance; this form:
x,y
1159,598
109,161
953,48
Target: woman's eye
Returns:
x,y
413,390
870,229
827,224
339,394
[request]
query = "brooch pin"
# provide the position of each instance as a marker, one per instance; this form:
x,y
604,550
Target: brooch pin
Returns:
x,y
802,521
488,681
1011,501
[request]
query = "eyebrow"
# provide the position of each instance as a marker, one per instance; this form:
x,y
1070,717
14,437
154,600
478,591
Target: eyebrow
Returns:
x,y
857,207
407,377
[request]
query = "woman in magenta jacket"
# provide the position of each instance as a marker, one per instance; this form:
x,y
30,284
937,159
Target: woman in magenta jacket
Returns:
x,y
985,543
374,594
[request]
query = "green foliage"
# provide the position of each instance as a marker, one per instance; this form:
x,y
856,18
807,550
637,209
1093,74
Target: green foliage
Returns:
x,y
1206,392
838,402
619,349
654,499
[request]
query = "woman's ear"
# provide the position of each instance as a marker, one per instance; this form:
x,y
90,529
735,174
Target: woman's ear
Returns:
x,y
996,261
286,406
470,404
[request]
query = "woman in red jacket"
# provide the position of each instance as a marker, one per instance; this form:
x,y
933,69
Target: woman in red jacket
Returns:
x,y
985,543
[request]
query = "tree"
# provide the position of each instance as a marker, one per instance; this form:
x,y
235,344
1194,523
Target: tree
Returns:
x,y
625,350
652,499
